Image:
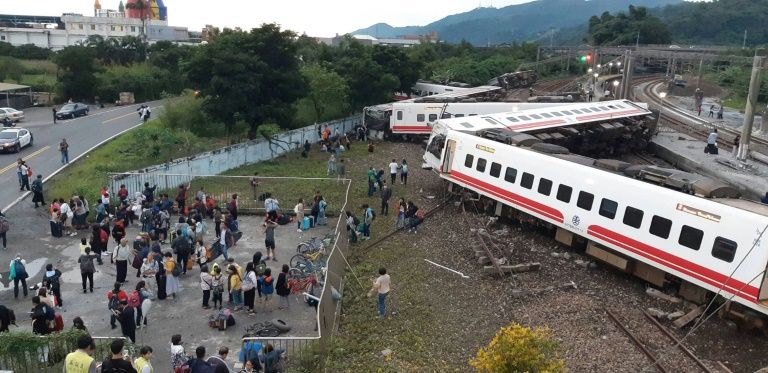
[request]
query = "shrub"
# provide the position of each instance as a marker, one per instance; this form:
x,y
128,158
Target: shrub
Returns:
x,y
516,348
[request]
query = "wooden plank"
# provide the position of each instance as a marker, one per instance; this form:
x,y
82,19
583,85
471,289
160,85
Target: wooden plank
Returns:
x,y
683,321
518,268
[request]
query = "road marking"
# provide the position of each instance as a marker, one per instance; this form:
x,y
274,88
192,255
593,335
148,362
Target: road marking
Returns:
x,y
31,155
121,117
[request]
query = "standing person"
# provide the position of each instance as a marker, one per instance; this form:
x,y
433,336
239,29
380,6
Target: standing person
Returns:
x,y
352,227
272,357
371,174
368,216
249,287
122,193
386,194
117,363
98,242
736,142
393,167
143,363
711,110
267,287
53,109
232,209
181,198
146,114
66,217
178,357
712,142
269,238
331,164
135,300
171,282
235,287
183,248
299,210
24,175
199,364
206,283
217,219
401,209
126,315
81,360
281,287
64,149
5,225
149,193
18,170
219,362
404,173
720,112
37,191
52,281
341,170
87,269
19,274
120,258
217,286
39,316
698,110
381,287
321,205
114,297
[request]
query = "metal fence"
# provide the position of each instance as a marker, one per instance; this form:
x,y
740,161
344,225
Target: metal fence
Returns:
x,y
27,353
217,161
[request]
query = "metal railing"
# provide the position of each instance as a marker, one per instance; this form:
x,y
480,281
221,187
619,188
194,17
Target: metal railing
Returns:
x,y
28,353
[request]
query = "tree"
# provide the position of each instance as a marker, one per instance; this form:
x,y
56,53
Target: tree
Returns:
x,y
77,69
623,28
516,348
327,90
396,62
252,76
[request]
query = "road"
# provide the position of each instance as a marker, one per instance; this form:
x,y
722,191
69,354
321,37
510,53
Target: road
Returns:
x,y
82,134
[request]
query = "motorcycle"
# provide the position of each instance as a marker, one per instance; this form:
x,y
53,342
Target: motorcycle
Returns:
x,y
8,123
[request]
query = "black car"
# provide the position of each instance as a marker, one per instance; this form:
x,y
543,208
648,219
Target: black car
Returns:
x,y
72,111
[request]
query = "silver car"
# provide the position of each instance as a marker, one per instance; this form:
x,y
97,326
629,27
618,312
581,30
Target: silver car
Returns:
x,y
11,113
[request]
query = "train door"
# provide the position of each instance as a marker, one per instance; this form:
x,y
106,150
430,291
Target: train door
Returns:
x,y
762,297
450,152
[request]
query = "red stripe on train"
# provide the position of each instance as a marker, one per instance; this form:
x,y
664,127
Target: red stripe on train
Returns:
x,y
528,204
536,124
608,115
666,259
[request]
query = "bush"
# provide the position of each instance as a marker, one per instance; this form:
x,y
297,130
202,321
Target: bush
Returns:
x,y
185,113
516,348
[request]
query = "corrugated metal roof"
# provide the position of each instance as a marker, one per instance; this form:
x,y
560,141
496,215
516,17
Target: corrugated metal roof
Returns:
x,y
11,87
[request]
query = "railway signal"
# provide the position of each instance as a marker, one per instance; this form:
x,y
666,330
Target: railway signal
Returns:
x,y
586,58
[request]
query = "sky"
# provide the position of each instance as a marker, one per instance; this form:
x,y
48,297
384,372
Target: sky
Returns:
x,y
316,18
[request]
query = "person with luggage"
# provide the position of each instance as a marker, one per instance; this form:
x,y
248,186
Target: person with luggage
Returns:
x,y
117,363
37,191
87,269
114,297
711,147
52,281
299,210
18,274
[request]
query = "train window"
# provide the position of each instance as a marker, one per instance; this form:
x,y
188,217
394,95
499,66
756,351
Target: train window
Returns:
x,y
566,112
466,125
523,117
557,114
660,227
545,186
724,249
690,237
512,119
576,111
564,193
399,115
633,217
603,108
481,162
586,110
535,116
446,116
458,116
469,160
432,117
585,200
472,115
526,181
495,169
619,106
545,115
510,175
419,117
491,120
608,208
612,107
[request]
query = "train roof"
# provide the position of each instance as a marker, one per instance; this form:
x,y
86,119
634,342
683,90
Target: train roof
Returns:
x,y
548,117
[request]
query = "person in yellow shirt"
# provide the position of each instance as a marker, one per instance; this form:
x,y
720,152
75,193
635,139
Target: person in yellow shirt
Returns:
x,y
142,363
81,361
235,287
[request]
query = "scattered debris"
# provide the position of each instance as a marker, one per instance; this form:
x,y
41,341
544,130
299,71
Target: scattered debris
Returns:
x,y
690,316
386,352
675,315
517,268
657,313
660,295
555,254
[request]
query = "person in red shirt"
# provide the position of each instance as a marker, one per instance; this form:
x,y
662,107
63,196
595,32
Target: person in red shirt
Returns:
x,y
122,193
181,197
114,297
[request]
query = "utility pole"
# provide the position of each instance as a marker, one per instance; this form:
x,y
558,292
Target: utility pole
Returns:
x,y
698,79
637,41
629,66
744,42
538,55
749,112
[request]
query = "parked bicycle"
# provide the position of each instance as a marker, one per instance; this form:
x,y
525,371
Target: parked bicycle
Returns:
x,y
300,285
314,244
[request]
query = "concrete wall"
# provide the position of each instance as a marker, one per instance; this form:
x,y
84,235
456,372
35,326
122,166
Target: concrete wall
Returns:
x,y
173,173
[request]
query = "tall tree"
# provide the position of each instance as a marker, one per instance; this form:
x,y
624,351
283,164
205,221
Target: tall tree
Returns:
x,y
251,76
327,90
396,62
77,69
623,28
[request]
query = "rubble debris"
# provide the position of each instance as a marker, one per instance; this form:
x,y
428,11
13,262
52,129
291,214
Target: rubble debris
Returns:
x,y
657,313
690,316
660,295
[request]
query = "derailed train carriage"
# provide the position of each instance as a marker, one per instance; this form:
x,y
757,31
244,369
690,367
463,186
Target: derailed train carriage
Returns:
x,y
668,227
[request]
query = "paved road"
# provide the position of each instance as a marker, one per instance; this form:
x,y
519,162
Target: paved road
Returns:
x,y
81,133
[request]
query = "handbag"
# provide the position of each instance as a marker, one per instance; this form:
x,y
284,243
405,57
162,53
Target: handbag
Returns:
x,y
176,271
136,262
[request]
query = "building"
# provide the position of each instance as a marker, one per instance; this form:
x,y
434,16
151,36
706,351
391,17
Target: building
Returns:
x,y
70,29
368,40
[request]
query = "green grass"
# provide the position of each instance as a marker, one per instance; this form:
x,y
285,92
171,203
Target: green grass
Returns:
x,y
144,146
39,67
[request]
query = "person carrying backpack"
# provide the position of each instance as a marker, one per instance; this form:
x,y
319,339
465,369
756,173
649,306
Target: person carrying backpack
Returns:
x,y
87,269
267,286
18,274
368,216
352,223
39,316
114,297
52,281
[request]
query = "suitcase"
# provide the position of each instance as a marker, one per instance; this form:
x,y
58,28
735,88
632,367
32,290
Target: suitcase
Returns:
x,y
237,236
305,225
161,278
56,230
58,323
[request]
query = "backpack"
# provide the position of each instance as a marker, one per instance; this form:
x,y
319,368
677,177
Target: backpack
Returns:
x,y
50,313
146,216
134,300
29,171
176,271
260,268
4,224
113,302
20,270
355,220
218,288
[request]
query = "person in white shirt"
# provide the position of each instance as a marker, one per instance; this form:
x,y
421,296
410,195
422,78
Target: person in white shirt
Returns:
x,y
381,286
66,216
393,166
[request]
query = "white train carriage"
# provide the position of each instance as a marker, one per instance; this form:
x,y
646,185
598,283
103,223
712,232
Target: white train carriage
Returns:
x,y
716,244
538,118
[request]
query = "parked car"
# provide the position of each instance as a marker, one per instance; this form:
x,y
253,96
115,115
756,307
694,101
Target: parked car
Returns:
x,y
14,139
71,111
11,113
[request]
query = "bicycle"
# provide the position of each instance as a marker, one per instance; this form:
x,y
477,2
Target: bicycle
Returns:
x,y
313,257
302,284
314,244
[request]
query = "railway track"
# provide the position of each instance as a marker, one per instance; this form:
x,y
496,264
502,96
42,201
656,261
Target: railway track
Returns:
x,y
697,128
654,341
555,85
